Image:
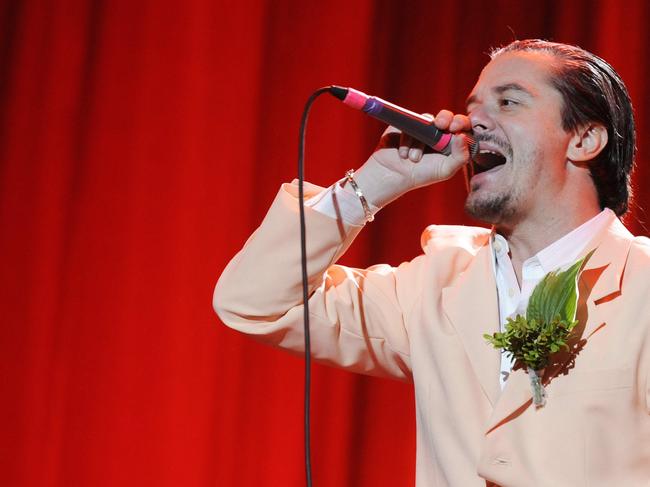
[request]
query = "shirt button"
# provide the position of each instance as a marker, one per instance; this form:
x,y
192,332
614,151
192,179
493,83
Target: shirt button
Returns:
x,y
497,246
511,292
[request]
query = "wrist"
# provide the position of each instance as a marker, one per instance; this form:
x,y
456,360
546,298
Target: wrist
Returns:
x,y
349,182
379,185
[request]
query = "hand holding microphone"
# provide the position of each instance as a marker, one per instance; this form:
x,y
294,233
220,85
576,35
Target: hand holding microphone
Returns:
x,y
399,163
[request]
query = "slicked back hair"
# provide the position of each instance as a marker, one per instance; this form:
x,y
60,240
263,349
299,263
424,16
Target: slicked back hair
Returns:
x,y
593,92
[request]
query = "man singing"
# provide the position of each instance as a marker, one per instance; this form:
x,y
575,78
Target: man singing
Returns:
x,y
555,129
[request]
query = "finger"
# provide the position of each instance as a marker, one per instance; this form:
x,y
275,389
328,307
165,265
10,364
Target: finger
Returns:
x,y
460,123
415,153
459,151
458,158
405,142
410,148
416,150
443,119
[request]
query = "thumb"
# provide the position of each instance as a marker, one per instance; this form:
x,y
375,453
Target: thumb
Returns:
x,y
459,157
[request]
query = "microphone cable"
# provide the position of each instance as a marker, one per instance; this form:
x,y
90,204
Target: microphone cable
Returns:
x,y
305,284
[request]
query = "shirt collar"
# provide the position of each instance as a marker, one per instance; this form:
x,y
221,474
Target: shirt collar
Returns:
x,y
566,249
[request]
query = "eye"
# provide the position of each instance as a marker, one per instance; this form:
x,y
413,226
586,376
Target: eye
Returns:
x,y
507,102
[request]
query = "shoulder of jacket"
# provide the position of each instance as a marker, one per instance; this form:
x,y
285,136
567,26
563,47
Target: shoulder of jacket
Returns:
x,y
640,248
642,241
437,237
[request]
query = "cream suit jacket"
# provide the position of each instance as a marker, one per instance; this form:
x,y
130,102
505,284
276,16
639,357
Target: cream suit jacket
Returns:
x,y
424,322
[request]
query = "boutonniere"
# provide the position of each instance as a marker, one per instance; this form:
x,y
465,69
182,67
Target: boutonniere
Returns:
x,y
550,319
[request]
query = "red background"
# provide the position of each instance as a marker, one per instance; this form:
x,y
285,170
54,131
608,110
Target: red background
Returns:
x,y
140,144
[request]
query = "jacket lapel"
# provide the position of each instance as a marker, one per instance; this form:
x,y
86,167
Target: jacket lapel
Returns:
x,y
600,282
472,308
602,277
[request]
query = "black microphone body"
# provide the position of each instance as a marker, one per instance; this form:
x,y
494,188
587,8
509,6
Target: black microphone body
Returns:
x,y
411,123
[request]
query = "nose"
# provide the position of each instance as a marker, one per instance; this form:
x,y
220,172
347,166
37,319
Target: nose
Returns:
x,y
480,120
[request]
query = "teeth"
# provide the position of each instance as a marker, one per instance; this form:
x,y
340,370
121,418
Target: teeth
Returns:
x,y
487,159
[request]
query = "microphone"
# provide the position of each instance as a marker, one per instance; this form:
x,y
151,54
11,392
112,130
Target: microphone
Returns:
x,y
411,123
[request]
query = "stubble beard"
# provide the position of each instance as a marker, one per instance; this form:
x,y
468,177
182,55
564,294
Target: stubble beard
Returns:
x,y
493,208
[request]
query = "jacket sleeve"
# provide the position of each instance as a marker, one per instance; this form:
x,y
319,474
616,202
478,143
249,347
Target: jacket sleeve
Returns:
x,y
356,318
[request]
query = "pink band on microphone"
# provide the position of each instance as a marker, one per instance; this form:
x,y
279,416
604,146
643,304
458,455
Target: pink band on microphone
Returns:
x,y
355,98
442,143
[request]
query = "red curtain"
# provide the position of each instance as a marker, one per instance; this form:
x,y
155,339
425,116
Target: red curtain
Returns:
x,y
140,144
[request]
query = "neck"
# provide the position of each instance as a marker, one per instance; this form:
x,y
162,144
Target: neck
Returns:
x,y
540,229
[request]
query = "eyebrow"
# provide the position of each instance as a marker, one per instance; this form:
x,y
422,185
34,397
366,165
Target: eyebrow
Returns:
x,y
499,90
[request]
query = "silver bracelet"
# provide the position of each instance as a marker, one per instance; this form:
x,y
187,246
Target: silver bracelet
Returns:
x,y
366,209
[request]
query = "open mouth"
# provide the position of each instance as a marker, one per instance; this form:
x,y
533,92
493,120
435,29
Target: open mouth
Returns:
x,y
487,159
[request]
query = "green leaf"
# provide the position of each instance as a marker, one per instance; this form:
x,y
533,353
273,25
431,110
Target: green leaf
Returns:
x,y
571,306
556,296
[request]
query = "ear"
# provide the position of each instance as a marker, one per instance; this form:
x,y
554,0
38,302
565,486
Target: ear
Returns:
x,y
587,142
